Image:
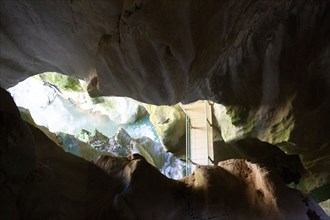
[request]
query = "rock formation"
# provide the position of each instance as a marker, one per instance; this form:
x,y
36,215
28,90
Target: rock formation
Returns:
x,y
288,167
40,181
170,124
266,57
266,60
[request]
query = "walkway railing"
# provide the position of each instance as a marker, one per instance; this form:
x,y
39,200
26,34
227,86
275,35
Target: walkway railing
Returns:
x,y
199,134
188,146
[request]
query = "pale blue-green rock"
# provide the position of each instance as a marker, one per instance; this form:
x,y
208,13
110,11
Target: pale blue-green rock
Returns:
x,y
122,144
62,104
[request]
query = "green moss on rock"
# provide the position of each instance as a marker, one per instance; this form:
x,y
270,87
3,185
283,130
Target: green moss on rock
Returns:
x,y
238,115
63,82
266,123
170,123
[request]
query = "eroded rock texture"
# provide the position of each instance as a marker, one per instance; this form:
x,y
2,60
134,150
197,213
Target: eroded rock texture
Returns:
x,y
288,167
268,60
269,57
237,52
52,184
170,125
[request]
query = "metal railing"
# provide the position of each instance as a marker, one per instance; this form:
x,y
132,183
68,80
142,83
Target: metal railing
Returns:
x,y
188,145
189,127
209,126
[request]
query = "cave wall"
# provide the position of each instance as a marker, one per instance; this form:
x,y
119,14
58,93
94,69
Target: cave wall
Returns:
x,y
41,181
234,52
267,59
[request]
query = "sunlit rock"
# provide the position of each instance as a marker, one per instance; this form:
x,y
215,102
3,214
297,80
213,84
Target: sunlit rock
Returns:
x,y
123,110
43,100
265,123
61,185
71,108
170,124
75,90
66,141
222,122
288,167
121,144
326,206
269,196
234,189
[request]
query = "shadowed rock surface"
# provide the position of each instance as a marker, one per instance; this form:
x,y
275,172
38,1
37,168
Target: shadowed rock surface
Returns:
x,y
269,58
269,61
58,185
288,167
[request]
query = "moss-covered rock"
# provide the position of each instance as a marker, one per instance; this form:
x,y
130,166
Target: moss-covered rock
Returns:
x,y
223,122
170,124
275,125
270,124
316,163
62,81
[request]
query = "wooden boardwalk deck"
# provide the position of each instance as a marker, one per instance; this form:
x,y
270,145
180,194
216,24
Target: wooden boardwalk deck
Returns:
x,y
201,133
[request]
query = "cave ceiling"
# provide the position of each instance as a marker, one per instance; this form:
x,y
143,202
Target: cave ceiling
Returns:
x,y
235,52
270,58
267,56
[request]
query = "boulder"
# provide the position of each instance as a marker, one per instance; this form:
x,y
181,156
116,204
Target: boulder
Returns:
x,y
170,125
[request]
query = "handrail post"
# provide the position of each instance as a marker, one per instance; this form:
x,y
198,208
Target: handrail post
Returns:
x,y
188,153
207,130
210,151
188,147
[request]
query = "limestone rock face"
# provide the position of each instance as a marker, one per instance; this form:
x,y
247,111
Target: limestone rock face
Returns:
x,y
268,58
170,124
237,52
288,167
59,185
234,189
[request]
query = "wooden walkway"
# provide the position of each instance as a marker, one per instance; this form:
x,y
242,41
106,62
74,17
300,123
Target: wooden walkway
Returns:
x,y
200,134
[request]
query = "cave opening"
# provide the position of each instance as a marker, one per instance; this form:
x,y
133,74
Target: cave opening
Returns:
x,y
89,127
94,127
267,154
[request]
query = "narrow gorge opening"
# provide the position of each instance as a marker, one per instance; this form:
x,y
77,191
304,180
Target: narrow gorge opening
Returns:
x,y
89,127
